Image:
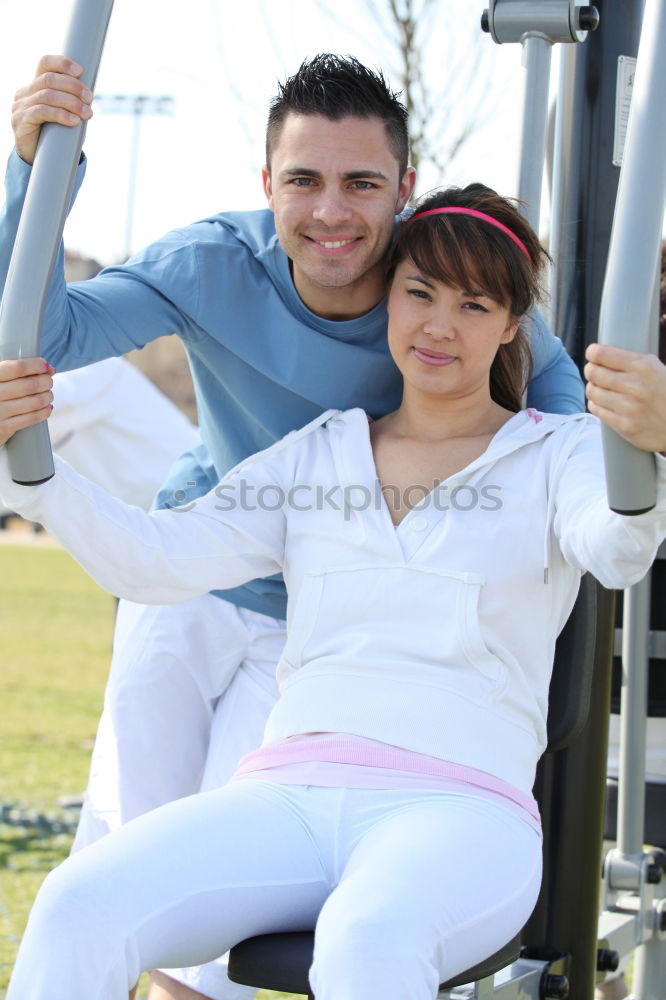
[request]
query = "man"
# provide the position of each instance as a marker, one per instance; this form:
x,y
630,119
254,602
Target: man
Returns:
x,y
282,315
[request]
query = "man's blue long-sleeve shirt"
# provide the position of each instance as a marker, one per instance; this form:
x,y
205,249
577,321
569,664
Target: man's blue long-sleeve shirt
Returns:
x,y
262,363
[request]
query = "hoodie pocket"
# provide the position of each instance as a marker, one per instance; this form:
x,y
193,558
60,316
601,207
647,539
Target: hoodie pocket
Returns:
x,y
420,623
302,617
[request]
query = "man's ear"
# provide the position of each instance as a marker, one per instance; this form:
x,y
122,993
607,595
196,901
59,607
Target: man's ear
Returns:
x,y
268,189
406,189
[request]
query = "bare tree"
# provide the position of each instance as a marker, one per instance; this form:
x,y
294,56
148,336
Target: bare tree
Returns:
x,y
443,65
433,51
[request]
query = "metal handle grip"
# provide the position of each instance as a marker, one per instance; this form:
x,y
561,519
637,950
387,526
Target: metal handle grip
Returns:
x,y
40,232
627,296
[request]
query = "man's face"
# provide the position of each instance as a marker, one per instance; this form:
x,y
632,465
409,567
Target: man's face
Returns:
x,y
335,188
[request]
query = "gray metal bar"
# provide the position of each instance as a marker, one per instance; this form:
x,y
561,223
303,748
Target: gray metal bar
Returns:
x,y
537,51
40,232
656,644
636,649
650,967
558,20
537,25
633,721
563,232
634,248
585,178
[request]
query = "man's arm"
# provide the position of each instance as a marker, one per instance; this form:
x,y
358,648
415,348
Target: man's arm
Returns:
x,y
54,95
103,317
556,385
16,185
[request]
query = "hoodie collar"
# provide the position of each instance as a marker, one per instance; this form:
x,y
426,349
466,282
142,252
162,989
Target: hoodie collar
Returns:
x,y
352,453
350,440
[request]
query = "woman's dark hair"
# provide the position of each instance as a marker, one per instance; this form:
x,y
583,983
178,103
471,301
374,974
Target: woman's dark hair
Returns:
x,y
466,252
337,86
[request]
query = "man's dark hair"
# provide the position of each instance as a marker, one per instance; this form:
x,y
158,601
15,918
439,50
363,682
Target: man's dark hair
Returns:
x,y
336,86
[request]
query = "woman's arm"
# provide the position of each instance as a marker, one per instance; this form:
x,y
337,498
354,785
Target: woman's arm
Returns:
x,y
25,394
628,392
616,548
168,556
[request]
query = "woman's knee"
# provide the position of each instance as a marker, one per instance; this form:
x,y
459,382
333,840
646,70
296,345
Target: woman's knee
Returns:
x,y
65,903
369,951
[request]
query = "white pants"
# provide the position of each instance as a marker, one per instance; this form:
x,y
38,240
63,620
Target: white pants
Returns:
x,y
190,688
406,888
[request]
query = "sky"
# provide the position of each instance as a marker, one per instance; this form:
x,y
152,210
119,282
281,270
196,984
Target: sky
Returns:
x,y
220,61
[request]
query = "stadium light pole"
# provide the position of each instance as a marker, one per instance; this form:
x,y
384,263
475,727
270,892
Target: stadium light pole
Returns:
x,y
138,106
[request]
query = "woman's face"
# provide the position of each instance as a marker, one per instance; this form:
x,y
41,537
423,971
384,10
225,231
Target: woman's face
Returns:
x,y
444,339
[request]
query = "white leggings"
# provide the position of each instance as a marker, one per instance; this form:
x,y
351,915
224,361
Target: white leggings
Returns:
x,y
406,889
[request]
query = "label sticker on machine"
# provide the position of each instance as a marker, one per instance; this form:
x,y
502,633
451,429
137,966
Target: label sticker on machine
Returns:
x,y
626,68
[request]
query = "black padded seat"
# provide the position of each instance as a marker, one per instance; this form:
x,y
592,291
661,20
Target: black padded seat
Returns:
x,y
281,962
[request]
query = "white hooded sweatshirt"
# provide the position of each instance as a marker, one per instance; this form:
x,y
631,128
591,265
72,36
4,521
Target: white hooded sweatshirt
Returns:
x,y
436,636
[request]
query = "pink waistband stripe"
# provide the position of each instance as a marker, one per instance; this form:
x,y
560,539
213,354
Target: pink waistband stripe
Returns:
x,y
341,749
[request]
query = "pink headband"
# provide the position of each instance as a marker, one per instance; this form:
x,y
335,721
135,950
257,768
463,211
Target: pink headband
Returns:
x,y
475,215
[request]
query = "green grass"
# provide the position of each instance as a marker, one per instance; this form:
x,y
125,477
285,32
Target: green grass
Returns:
x,y
55,642
55,637
56,627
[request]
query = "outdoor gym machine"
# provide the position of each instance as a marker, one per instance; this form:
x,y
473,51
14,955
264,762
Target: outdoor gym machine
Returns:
x,y
39,236
634,913
589,297
636,908
537,25
562,937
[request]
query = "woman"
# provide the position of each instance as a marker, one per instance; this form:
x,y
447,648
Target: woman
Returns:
x,y
431,558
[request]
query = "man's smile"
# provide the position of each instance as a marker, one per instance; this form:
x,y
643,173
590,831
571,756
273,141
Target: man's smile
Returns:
x,y
333,244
